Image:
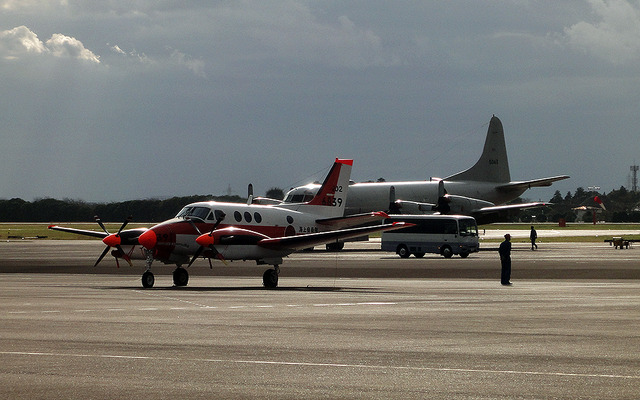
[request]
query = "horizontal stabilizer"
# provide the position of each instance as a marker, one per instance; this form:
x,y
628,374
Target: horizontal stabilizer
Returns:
x,y
523,185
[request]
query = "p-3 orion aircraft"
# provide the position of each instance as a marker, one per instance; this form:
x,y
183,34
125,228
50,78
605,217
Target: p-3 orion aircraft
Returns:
x,y
481,191
235,231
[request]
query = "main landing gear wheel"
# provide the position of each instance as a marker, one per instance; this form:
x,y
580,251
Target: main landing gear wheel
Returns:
x,y
180,277
148,279
270,278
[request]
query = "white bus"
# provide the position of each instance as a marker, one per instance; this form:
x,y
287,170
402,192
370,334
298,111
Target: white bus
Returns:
x,y
441,234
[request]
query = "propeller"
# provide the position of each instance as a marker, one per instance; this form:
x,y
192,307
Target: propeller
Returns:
x,y
113,240
443,200
600,203
206,241
394,206
250,194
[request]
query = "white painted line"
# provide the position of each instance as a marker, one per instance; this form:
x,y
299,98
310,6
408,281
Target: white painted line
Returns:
x,y
330,365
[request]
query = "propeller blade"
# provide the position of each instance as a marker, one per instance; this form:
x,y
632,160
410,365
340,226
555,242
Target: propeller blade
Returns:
x,y
250,194
196,255
129,218
104,253
193,224
394,206
101,224
124,255
201,248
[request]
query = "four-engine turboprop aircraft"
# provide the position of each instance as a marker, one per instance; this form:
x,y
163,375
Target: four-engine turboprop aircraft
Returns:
x,y
233,231
480,191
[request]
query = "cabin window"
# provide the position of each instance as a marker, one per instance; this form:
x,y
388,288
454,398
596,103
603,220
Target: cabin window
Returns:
x,y
257,217
247,216
237,216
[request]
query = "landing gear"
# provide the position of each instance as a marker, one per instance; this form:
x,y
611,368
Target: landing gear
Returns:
x,y
148,279
180,277
270,277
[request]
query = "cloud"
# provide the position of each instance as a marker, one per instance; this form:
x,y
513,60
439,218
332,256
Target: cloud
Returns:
x,y
615,36
193,65
21,41
65,46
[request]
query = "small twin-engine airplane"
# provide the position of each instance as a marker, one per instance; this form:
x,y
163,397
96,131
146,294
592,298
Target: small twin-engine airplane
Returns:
x,y
264,233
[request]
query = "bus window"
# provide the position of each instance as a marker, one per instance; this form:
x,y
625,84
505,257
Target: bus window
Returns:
x,y
468,227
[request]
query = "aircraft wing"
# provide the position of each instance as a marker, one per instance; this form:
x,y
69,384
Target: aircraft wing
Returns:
x,y
84,232
523,185
353,220
508,207
129,236
299,242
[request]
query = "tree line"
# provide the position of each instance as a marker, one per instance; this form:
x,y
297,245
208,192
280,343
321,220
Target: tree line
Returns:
x,y
52,210
621,205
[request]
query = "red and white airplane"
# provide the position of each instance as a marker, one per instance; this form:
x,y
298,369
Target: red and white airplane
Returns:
x,y
235,231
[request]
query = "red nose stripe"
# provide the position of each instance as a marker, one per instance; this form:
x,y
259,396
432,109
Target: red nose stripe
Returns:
x,y
148,239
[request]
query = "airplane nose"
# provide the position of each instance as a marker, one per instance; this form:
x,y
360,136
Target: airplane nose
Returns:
x,y
148,239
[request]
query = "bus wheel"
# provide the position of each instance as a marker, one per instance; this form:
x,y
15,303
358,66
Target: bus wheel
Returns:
x,y
447,252
403,251
464,254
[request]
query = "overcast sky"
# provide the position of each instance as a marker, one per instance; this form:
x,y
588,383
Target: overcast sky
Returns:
x,y
118,100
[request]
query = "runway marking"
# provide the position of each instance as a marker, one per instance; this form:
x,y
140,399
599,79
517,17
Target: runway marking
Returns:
x,y
330,365
197,306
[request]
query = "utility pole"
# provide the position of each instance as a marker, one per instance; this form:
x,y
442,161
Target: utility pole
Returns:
x,y
634,178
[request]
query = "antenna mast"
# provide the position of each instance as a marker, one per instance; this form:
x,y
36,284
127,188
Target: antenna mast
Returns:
x,y
634,178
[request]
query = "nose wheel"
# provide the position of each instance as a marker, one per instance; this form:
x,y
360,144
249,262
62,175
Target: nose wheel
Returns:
x,y
148,279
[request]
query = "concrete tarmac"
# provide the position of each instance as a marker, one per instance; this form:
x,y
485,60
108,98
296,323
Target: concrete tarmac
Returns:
x,y
355,324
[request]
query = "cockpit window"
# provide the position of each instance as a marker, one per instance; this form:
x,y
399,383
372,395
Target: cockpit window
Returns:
x,y
193,212
219,215
298,198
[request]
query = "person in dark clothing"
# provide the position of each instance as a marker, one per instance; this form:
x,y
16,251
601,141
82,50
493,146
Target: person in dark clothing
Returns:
x,y
505,260
533,236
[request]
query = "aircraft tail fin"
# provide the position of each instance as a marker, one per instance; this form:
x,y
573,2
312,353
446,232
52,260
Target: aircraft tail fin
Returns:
x,y
331,197
493,165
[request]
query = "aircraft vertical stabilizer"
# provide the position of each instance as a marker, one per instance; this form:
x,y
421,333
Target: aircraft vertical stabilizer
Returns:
x,y
331,198
493,165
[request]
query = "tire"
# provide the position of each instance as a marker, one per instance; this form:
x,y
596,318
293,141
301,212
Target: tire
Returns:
x,y
335,246
464,254
403,251
148,280
447,252
180,277
270,279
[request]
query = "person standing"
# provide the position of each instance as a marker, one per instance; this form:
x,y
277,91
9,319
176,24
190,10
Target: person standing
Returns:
x,y
505,260
533,236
